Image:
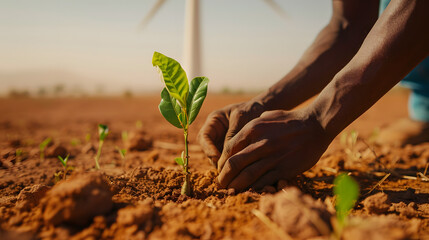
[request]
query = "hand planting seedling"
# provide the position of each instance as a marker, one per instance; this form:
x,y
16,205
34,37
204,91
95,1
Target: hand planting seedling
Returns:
x,y
42,147
180,103
103,130
64,162
346,191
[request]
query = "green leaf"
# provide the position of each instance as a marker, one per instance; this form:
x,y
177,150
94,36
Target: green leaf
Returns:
x,y
347,191
197,94
123,152
169,108
173,76
64,160
179,161
103,130
45,143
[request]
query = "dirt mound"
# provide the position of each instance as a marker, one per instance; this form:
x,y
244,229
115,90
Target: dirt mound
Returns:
x,y
77,200
138,141
30,196
381,228
297,214
378,203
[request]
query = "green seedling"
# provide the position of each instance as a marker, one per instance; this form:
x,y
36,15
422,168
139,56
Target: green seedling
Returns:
x,y
346,191
43,146
64,162
103,131
18,155
88,137
180,103
122,153
75,142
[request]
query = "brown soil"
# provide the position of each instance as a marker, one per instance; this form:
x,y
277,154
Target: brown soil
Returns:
x,y
139,197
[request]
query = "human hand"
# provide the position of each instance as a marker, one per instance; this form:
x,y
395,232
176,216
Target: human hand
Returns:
x,y
223,124
277,145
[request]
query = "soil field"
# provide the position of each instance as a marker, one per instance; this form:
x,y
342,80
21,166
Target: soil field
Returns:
x,y
139,197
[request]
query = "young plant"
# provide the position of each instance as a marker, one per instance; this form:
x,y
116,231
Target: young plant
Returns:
x,y
122,153
180,103
42,147
18,155
346,191
64,162
103,130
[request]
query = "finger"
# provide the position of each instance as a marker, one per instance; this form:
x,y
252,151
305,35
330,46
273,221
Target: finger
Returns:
x,y
236,121
239,161
211,136
209,148
235,145
268,178
251,174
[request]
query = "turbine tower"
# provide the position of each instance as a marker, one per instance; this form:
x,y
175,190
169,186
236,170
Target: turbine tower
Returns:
x,y
192,44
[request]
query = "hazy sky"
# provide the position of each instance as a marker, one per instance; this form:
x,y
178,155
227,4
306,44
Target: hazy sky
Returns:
x,y
89,43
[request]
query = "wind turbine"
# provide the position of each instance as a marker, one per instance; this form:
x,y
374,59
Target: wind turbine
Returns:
x,y
192,43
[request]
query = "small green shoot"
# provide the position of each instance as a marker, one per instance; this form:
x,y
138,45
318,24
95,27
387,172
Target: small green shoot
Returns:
x,y
180,103
103,131
346,191
64,162
43,146
18,155
75,142
122,153
139,124
88,137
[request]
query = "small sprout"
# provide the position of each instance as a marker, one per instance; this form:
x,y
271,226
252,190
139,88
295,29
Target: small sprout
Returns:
x,y
124,136
57,176
180,103
18,155
103,131
139,124
88,137
43,146
346,191
122,153
64,162
75,142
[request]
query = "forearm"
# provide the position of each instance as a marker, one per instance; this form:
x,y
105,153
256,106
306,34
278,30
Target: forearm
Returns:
x,y
332,49
396,44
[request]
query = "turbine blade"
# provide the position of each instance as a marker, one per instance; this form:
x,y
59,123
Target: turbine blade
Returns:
x,y
151,13
277,8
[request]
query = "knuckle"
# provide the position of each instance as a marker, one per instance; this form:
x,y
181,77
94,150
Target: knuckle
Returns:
x,y
248,174
232,165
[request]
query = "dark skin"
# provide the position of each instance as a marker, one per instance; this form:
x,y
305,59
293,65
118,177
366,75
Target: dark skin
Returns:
x,y
353,62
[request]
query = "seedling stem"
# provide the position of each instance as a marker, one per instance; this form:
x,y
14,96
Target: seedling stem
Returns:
x,y
103,130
